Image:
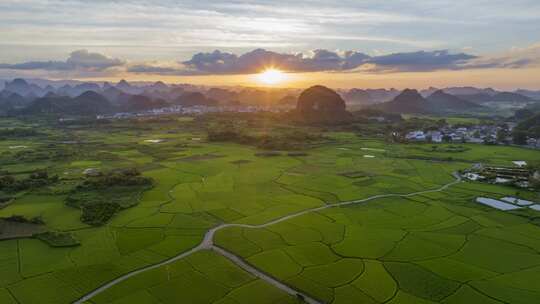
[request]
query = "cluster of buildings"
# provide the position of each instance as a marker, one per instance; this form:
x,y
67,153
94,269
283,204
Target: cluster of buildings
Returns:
x,y
475,134
449,135
479,134
191,110
518,175
533,143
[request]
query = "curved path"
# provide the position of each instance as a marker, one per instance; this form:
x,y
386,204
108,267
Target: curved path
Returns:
x,y
208,244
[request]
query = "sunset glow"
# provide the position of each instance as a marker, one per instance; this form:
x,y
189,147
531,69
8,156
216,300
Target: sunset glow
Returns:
x,y
256,151
271,77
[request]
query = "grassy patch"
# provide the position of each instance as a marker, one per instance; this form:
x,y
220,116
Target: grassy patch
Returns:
x,y
420,282
101,197
58,239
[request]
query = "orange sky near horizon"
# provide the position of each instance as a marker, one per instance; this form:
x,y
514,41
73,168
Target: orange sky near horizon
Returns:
x,y
503,79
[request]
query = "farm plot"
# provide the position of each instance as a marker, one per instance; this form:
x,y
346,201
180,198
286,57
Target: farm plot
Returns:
x,y
204,277
400,250
429,247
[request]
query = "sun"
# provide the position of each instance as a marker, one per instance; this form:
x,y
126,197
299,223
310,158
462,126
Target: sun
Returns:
x,y
271,76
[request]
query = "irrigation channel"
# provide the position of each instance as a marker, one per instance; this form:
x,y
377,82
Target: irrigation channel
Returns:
x,y
208,244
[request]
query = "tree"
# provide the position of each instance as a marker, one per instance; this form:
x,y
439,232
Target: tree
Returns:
x,y
441,123
519,137
502,134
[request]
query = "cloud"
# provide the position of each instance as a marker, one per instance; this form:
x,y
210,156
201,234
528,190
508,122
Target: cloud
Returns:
x,y
514,59
86,60
218,62
156,67
87,64
419,61
354,59
320,60
141,28
77,60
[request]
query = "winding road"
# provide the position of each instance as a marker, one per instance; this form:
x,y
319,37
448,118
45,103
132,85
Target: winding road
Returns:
x,y
208,244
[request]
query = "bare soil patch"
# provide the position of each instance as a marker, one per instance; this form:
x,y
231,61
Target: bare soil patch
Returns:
x,y
202,157
14,230
240,162
355,174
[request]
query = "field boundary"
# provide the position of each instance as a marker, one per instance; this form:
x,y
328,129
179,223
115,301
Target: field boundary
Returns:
x,y
208,244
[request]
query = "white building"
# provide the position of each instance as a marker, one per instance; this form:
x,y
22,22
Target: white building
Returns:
x,y
416,135
532,142
436,136
474,140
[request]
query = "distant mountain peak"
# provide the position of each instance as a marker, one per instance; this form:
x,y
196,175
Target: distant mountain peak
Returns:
x,y
440,101
90,94
18,81
408,95
123,82
408,101
107,85
159,86
440,92
22,87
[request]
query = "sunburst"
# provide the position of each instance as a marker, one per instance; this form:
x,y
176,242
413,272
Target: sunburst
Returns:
x,y
271,76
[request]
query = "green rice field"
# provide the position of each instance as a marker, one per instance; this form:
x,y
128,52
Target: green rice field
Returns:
x,y
434,247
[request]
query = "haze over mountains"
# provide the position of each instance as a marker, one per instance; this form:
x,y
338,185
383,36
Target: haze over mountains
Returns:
x,y
89,98
411,101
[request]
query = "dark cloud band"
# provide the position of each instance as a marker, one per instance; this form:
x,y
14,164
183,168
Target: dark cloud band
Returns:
x,y
77,60
218,62
225,63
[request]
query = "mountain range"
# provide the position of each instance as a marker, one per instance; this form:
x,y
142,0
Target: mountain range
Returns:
x,y
367,97
412,102
22,97
88,103
41,96
498,97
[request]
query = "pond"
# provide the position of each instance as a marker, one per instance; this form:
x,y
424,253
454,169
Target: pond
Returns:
x,y
516,201
496,204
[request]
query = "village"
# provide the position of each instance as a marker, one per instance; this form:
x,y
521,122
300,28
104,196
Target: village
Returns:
x,y
194,110
520,175
492,134
478,134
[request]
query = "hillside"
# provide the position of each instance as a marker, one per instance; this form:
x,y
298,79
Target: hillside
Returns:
x,y
499,97
440,101
530,125
357,96
88,103
369,96
511,97
408,102
194,99
319,104
529,93
12,100
137,103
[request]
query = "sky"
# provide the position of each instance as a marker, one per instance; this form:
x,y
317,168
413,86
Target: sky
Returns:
x,y
336,43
